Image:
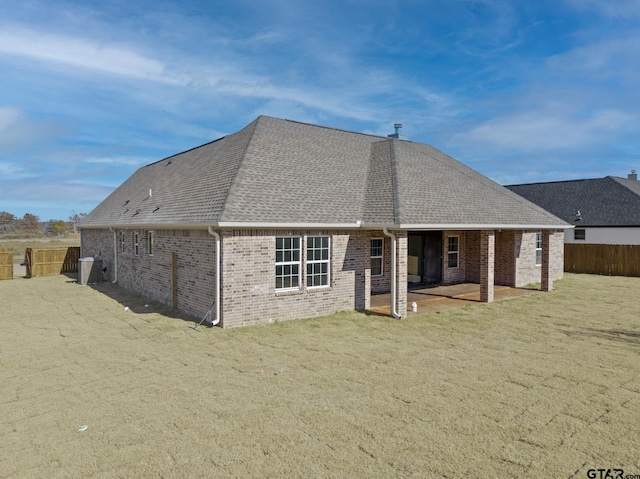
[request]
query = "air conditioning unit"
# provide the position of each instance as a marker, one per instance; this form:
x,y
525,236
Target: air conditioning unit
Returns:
x,y
89,271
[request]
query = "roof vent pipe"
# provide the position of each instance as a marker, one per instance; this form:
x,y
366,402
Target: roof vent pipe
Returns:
x,y
397,127
633,175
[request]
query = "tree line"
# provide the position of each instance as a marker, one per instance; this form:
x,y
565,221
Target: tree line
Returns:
x,y
31,225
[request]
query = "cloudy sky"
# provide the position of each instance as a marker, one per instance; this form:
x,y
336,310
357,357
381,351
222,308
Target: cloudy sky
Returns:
x,y
522,91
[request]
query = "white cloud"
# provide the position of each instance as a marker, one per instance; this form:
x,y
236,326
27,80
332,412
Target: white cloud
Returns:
x,y
544,130
619,9
12,171
83,53
120,160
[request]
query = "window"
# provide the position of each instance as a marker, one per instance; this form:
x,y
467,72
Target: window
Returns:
x,y
579,234
136,246
538,249
150,243
287,262
317,261
122,247
377,256
453,251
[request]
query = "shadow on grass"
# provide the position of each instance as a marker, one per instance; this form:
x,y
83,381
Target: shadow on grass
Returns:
x,y
629,337
135,302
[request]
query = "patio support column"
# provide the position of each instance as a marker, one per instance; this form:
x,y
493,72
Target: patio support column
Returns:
x,y
546,280
487,265
401,266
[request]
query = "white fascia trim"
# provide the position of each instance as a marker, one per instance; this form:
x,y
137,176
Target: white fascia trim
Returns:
x,y
143,226
468,227
266,225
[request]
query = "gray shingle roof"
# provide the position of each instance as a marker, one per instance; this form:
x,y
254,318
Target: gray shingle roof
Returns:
x,y
608,201
280,172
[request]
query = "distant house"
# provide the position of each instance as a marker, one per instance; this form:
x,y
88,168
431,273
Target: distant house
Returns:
x,y
603,210
286,220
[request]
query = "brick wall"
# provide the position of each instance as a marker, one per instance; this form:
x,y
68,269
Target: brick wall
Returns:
x,y
98,244
249,292
151,275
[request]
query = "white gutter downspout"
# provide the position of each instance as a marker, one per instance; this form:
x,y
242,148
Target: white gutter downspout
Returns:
x,y
115,256
394,280
216,235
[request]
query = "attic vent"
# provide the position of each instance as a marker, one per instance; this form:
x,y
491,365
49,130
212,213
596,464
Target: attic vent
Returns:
x,y
125,211
156,209
126,203
169,162
137,212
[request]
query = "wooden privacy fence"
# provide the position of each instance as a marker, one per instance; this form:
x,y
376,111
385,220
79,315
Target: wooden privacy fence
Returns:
x,y
609,259
6,264
51,261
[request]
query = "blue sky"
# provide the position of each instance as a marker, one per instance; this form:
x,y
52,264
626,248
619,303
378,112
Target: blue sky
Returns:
x,y
522,91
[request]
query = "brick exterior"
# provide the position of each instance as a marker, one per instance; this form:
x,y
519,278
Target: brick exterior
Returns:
x,y
487,265
151,275
248,293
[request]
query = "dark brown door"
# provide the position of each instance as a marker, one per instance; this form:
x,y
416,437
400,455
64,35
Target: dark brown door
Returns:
x,y
432,271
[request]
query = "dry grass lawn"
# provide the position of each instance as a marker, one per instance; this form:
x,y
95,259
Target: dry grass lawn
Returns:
x,y
546,385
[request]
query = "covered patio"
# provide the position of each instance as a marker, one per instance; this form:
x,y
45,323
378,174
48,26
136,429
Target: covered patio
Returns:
x,y
440,298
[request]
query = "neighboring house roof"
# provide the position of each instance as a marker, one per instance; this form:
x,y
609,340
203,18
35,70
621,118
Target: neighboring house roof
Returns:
x,y
279,172
609,201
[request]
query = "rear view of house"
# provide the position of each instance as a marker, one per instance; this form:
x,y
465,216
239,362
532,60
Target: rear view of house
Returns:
x,y
285,220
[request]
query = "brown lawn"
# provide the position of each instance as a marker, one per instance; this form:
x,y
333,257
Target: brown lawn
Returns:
x,y
546,385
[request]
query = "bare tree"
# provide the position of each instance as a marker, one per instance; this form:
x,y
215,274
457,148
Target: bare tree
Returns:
x,y
75,219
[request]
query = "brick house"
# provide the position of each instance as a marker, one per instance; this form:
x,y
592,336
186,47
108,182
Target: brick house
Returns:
x,y
285,220
603,210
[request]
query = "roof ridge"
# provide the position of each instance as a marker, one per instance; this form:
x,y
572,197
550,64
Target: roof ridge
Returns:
x,y
233,186
335,129
557,181
185,151
394,180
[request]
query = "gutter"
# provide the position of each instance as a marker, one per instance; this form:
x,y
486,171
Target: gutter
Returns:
x,y
216,235
394,279
354,225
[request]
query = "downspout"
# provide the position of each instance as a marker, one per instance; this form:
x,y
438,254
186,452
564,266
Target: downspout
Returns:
x,y
216,235
115,256
394,280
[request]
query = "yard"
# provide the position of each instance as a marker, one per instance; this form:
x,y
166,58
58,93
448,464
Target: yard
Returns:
x,y
546,385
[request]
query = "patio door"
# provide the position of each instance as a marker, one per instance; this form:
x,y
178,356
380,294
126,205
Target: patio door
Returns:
x,y
425,257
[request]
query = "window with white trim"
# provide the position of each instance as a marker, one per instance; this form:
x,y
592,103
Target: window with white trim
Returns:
x,y
579,234
377,256
288,262
453,251
122,243
538,249
151,240
317,261
136,244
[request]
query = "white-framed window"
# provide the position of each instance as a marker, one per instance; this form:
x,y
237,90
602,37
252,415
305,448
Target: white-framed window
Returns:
x,y
288,262
151,243
453,251
538,249
377,256
136,244
318,261
122,243
579,234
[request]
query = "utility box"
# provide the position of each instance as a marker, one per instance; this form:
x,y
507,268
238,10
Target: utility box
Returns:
x,y
89,271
